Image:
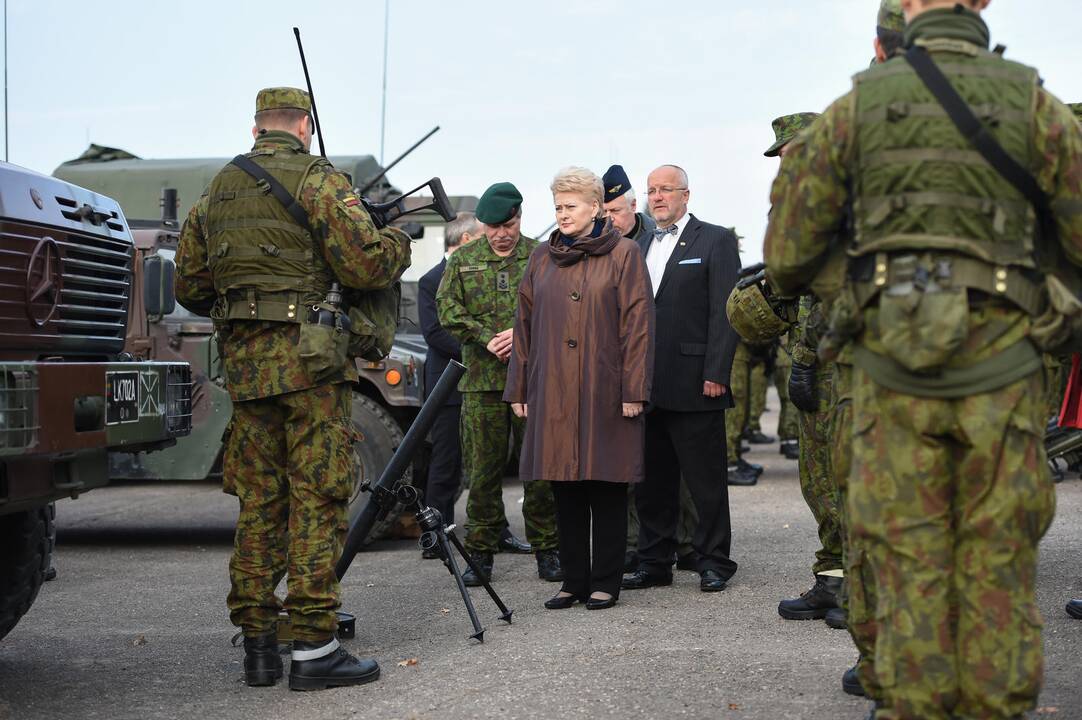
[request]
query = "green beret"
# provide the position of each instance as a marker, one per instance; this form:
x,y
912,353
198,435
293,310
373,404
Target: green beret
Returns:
x,y
788,127
499,204
891,16
282,98
1076,108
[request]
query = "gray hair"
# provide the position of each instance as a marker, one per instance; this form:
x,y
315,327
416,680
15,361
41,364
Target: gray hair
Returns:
x,y
464,222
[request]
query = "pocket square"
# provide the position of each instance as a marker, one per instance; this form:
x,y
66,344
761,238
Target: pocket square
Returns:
x,y
691,261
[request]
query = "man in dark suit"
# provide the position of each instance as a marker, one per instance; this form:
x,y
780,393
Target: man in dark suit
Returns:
x,y
445,466
693,267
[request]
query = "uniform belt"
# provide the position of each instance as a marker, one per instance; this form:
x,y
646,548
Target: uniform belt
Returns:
x,y
251,304
1009,283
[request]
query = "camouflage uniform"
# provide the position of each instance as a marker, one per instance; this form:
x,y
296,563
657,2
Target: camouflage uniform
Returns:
x,y
288,455
736,419
948,495
788,427
476,300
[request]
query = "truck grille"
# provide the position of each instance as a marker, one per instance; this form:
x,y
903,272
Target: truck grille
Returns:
x,y
95,275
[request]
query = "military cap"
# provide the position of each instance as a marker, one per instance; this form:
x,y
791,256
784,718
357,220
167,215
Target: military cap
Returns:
x,y
891,16
788,127
499,204
1076,108
752,316
282,98
615,182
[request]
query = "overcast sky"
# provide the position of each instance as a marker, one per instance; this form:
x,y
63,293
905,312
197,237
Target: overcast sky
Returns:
x,y
519,88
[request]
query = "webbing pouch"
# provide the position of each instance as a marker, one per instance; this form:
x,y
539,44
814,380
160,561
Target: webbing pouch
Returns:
x,y
922,319
322,348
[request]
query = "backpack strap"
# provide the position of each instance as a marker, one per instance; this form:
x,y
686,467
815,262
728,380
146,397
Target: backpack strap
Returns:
x,y
983,141
265,179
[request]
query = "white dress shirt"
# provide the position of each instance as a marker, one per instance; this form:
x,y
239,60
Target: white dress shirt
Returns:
x,y
661,249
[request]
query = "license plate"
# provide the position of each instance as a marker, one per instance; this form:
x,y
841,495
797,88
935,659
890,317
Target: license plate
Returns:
x,y
122,401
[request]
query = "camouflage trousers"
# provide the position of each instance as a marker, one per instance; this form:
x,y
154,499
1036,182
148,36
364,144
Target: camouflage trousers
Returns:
x,y
488,428
948,499
788,421
817,478
739,385
757,385
686,523
289,460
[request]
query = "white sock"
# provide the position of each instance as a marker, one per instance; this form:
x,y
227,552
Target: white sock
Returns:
x,y
317,653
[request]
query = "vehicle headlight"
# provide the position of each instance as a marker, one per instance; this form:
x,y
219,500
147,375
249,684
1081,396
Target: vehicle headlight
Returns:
x,y
18,409
178,400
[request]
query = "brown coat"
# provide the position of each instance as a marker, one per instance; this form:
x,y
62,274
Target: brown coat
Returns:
x,y
583,346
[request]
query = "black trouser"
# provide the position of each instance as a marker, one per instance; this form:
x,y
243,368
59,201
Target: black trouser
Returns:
x,y
691,444
445,466
605,503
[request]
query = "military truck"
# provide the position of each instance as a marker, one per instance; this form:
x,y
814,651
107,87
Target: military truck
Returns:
x,y
385,400
69,395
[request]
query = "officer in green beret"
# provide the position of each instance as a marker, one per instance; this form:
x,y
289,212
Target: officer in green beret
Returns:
x,y
257,268
477,303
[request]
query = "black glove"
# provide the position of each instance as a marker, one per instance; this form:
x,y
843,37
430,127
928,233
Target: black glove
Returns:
x,y
802,390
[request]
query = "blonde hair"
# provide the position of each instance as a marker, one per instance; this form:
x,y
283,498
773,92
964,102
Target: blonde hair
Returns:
x,y
580,181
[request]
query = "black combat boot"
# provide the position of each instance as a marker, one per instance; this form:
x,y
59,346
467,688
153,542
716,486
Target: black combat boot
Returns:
x,y
1074,609
742,474
790,449
548,566
851,682
837,618
757,437
813,604
482,560
262,663
321,665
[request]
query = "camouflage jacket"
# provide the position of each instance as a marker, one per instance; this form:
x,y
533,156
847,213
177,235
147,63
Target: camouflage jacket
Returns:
x,y
260,358
811,196
478,298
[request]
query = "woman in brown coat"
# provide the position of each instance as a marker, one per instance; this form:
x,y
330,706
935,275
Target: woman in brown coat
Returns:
x,y
580,372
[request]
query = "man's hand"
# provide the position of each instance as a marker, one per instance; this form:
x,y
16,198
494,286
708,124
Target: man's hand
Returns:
x,y
519,409
500,344
632,410
713,389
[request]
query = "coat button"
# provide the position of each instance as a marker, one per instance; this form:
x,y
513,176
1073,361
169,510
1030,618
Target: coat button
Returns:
x,y
575,296
572,344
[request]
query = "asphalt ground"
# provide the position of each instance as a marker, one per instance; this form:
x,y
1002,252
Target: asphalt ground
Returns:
x,y
135,626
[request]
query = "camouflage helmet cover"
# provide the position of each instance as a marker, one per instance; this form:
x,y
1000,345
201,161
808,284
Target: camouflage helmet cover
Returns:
x,y
282,98
891,16
1076,108
788,127
752,316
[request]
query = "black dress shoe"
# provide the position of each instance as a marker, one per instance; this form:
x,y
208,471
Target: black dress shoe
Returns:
x,y
739,477
813,604
631,561
262,663
484,561
557,602
1074,609
851,682
432,553
790,449
711,581
334,669
511,544
548,566
598,604
641,579
837,619
687,562
757,437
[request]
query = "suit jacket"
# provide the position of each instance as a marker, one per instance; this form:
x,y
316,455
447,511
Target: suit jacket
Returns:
x,y
442,346
694,342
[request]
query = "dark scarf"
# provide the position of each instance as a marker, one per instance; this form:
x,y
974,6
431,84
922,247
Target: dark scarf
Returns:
x,y
566,251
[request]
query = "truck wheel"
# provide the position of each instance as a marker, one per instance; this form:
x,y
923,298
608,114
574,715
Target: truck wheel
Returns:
x,y
27,539
382,436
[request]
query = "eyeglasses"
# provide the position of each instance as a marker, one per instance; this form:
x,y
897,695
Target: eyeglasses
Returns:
x,y
664,191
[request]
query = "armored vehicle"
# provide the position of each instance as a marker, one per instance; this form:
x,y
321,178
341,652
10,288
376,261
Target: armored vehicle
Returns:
x,y
390,391
69,394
